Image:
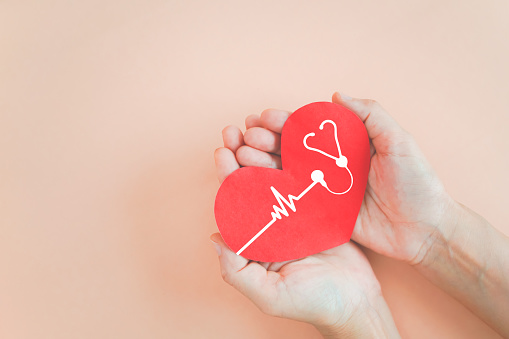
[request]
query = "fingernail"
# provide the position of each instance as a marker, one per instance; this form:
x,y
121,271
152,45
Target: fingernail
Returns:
x,y
345,97
218,249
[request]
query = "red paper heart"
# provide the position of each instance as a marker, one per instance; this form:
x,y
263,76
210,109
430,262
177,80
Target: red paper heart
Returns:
x,y
245,203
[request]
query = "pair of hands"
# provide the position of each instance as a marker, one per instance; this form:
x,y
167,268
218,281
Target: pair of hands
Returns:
x,y
400,217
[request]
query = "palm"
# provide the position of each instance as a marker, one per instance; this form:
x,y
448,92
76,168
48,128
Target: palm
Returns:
x,y
333,283
401,206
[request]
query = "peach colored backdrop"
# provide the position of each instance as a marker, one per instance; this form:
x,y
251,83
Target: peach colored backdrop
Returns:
x,y
110,112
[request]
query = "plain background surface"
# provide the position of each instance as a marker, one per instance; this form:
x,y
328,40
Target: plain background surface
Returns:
x,y
110,112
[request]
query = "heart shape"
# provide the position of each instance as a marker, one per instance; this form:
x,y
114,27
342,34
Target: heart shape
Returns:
x,y
311,205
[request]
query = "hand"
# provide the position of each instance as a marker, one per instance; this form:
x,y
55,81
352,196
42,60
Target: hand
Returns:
x,y
407,214
405,204
335,290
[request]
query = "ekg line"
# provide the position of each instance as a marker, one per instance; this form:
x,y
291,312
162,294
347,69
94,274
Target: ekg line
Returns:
x,y
278,210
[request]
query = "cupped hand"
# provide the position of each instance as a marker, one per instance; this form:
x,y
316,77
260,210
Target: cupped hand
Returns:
x,y
405,204
334,290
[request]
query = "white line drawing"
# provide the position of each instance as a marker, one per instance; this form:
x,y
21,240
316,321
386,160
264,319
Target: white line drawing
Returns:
x,y
341,160
317,176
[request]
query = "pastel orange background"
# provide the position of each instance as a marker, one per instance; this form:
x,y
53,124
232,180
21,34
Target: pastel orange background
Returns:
x,y
110,112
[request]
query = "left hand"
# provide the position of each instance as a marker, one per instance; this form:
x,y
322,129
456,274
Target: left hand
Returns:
x,y
335,290
330,290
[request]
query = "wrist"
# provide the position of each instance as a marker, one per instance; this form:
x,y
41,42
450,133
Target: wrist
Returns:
x,y
458,227
372,319
441,233
466,263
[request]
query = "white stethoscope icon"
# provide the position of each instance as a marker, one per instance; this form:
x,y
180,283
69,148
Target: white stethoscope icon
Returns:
x,y
341,160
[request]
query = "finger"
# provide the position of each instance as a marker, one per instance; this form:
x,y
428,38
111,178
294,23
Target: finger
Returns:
x,y
253,120
384,132
263,139
226,163
233,262
249,278
249,156
276,266
274,119
232,138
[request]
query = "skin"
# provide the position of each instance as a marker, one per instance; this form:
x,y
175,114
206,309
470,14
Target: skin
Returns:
x,y
406,214
327,289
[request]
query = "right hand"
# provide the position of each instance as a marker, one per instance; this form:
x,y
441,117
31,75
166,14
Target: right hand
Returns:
x,y
405,205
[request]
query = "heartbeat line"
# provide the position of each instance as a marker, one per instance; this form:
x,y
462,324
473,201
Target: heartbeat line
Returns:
x,y
278,210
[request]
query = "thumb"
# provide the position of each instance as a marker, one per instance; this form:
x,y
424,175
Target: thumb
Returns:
x,y
248,277
385,133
